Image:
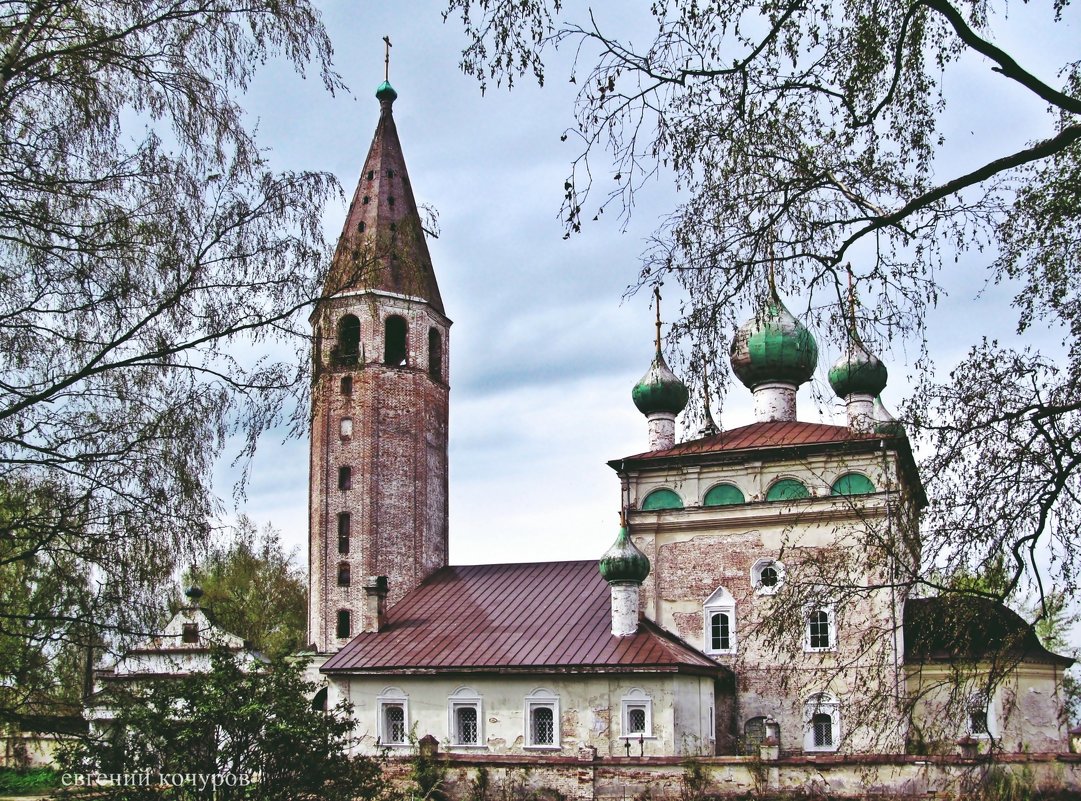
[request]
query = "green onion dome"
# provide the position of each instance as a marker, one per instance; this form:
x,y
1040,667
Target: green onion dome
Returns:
x,y
773,346
623,561
858,372
386,92
659,390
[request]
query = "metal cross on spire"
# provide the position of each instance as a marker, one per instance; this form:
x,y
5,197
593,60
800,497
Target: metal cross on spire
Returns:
x,y
657,303
386,58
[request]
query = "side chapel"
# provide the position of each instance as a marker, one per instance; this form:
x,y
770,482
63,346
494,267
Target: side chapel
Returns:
x,y
672,643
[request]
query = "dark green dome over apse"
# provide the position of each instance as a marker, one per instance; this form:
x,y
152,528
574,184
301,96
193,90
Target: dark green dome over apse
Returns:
x,y
623,561
773,346
858,372
659,390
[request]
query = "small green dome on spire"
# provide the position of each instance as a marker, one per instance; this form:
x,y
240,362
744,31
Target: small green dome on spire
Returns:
x,y
858,372
660,390
386,92
773,346
623,561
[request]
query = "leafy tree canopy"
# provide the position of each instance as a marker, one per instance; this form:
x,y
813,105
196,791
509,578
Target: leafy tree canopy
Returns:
x,y
143,240
228,733
807,139
253,589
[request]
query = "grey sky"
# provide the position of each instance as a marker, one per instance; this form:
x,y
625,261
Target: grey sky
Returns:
x,y
544,350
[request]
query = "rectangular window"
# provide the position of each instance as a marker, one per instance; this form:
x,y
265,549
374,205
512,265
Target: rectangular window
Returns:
x,y
346,427
344,522
191,633
822,730
347,385
466,725
345,478
344,574
343,627
542,729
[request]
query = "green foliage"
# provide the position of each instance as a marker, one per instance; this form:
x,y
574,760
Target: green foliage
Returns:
x,y
252,726
427,772
253,589
148,258
27,782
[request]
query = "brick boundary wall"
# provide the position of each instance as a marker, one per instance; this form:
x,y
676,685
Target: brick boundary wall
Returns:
x,y
592,778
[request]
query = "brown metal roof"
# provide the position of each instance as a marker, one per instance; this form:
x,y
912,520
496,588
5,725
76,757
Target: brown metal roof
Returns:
x,y
520,617
774,434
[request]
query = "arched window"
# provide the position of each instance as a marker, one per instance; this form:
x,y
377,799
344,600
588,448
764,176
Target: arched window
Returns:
x,y
435,354
787,489
344,520
720,618
852,484
393,721
754,734
319,702
723,495
344,574
465,717
822,723
542,719
821,630
394,341
661,499
343,628
348,339
636,715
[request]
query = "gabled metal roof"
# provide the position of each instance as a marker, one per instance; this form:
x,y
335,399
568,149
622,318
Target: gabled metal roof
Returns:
x,y
538,617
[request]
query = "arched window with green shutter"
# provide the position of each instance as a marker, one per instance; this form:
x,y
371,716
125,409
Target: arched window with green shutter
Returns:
x,y
852,484
661,499
723,495
788,489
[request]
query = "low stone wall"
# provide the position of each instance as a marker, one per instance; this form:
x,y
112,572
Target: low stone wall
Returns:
x,y
592,778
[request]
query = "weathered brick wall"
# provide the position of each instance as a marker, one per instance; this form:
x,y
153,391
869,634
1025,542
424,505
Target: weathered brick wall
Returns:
x,y
592,779
397,452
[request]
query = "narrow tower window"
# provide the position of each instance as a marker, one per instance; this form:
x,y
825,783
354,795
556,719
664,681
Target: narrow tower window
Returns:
x,y
394,342
344,575
347,385
343,532
348,339
345,427
343,624
345,478
435,354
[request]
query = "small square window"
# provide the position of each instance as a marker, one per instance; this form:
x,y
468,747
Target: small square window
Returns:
x,y
190,635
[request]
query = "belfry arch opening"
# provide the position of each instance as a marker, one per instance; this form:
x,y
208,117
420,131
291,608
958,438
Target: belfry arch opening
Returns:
x,y
348,339
435,354
394,341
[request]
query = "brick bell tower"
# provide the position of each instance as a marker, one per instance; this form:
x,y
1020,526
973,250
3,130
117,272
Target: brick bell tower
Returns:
x,y
378,486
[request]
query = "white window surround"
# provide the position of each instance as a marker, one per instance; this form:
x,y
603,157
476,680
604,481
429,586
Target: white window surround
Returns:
x,y
390,735
535,702
812,628
822,705
638,705
720,603
762,572
979,706
465,698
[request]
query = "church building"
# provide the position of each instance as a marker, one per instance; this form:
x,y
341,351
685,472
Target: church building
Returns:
x,y
756,592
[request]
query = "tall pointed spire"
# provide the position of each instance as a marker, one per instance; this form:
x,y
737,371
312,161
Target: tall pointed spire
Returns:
x,y
382,246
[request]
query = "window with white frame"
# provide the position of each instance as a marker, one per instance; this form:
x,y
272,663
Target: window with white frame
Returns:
x,y
636,716
767,576
821,723
821,629
465,718
719,612
393,720
542,719
979,715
